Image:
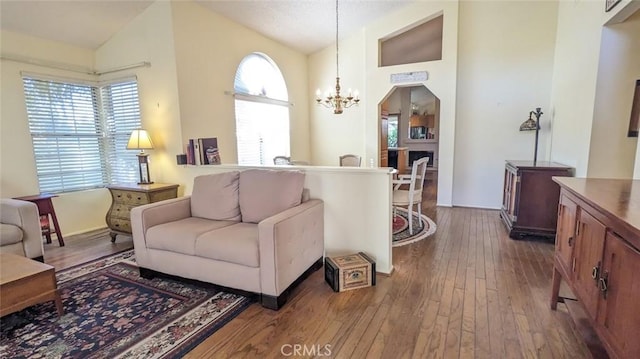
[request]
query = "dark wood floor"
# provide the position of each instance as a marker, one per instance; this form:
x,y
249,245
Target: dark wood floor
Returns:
x,y
467,291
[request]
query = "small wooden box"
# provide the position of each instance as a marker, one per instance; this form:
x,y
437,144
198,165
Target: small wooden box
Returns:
x,y
350,272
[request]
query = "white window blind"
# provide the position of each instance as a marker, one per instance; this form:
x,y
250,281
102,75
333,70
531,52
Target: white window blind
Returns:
x,y
76,130
262,113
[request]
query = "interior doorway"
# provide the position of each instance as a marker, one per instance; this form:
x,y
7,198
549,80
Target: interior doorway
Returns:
x,y
409,130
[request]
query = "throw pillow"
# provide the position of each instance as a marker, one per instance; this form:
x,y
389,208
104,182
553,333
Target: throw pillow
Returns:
x,y
215,196
264,193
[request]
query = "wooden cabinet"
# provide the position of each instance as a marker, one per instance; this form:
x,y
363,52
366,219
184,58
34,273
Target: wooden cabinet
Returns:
x,y
125,197
530,197
565,235
384,139
603,218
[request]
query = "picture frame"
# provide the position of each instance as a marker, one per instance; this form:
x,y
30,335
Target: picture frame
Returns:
x,y
610,4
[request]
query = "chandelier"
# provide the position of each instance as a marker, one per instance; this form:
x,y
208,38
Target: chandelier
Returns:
x,y
336,101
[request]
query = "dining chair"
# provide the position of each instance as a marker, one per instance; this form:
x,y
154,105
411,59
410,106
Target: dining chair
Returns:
x,y
282,160
350,160
413,195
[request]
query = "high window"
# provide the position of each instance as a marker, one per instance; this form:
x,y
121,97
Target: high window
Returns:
x,y
80,131
262,111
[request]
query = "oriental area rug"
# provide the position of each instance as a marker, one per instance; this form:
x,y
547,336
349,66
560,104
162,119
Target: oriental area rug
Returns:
x,y
423,227
111,312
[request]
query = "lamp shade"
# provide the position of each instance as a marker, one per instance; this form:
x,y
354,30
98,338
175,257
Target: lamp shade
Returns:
x,y
139,140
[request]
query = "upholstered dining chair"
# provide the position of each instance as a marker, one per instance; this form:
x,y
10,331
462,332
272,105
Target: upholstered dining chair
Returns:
x,y
412,196
282,160
350,160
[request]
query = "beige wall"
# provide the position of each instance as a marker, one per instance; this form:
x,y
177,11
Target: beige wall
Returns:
x,y
612,153
77,211
573,98
357,130
504,71
149,37
209,49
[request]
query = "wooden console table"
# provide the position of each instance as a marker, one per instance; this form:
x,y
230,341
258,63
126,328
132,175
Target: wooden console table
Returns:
x,y
126,196
45,208
597,253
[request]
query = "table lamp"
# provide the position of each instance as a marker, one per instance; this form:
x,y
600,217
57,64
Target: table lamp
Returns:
x,y
140,140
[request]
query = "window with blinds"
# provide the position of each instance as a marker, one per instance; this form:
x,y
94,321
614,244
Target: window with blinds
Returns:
x,y
262,111
79,132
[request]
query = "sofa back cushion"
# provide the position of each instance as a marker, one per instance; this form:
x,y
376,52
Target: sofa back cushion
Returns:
x,y
215,196
264,193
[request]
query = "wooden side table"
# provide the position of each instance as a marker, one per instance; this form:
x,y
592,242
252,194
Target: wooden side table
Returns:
x,y
126,196
45,208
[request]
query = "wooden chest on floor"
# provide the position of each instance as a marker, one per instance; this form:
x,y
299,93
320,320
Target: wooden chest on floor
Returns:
x,y
350,272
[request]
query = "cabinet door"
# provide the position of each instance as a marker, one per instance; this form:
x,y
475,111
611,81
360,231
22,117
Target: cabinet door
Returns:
x,y
618,310
565,236
590,236
510,192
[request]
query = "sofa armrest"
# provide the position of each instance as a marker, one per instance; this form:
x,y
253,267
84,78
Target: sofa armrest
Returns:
x,y
25,215
290,242
149,215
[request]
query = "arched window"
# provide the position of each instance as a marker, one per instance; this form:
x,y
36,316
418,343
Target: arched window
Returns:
x,y
262,111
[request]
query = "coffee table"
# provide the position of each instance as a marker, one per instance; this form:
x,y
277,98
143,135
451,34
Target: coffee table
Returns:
x,y
25,282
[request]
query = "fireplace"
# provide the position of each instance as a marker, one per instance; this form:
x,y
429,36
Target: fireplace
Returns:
x,y
416,155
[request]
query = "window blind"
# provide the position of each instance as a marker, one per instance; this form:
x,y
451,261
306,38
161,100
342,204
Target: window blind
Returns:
x,y
77,132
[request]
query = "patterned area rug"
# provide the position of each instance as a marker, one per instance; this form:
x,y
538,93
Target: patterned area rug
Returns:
x,y
110,311
422,228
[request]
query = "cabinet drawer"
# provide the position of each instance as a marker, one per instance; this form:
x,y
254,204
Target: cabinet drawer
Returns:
x,y
129,197
120,224
162,195
121,211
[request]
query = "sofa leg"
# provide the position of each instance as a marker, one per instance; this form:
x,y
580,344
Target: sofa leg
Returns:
x,y
273,302
147,273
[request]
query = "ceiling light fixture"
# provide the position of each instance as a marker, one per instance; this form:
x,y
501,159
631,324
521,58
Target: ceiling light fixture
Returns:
x,y
336,101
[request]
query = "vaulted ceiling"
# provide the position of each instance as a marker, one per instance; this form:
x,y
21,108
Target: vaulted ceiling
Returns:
x,y
305,25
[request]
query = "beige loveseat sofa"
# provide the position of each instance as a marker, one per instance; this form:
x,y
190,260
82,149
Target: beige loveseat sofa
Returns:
x,y
247,230
20,231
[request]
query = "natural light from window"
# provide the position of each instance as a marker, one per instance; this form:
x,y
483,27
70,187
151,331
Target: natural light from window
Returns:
x,y
262,111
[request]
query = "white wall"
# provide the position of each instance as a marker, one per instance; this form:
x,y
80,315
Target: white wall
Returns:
x,y
612,153
76,211
504,71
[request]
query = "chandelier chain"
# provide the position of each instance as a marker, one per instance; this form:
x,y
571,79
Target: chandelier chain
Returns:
x,y
337,51
336,101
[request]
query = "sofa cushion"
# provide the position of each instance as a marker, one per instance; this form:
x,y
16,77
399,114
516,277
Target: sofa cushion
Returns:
x,y
215,196
235,244
180,236
10,234
264,193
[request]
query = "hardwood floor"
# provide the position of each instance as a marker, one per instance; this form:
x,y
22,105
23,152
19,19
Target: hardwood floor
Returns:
x,y
467,291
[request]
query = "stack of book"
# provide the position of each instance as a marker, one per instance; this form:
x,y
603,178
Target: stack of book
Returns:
x,y
203,151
